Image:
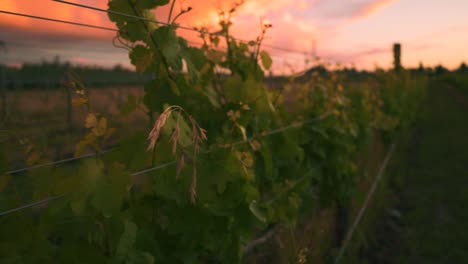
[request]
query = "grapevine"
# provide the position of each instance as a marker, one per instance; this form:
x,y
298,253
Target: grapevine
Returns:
x,y
208,107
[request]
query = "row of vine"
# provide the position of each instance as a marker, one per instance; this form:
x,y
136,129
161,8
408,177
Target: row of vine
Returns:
x,y
240,157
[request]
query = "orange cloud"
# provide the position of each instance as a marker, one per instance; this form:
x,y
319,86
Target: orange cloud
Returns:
x,y
292,20
57,11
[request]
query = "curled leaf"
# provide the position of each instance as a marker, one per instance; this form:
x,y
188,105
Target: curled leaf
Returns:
x,y
155,132
243,132
174,137
257,211
180,165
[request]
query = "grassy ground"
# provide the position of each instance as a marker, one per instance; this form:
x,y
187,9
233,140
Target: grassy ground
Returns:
x,y
430,219
41,116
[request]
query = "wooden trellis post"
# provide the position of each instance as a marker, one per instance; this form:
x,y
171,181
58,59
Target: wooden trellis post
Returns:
x,y
397,56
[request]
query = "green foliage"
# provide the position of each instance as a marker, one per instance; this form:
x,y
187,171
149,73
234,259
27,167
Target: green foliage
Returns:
x,y
266,60
248,172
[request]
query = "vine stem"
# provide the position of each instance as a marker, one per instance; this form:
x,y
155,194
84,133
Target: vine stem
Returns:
x,y
170,12
163,59
260,240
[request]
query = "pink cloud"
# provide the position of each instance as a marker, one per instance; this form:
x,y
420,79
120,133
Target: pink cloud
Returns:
x,y
294,26
373,8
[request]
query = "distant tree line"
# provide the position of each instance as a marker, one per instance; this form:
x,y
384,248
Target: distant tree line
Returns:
x,y
54,74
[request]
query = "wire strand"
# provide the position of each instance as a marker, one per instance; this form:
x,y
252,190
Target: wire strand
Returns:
x,y
136,17
164,165
41,202
371,192
59,21
55,162
167,24
126,15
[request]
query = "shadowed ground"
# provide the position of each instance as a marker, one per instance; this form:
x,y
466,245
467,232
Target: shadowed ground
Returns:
x,y
433,200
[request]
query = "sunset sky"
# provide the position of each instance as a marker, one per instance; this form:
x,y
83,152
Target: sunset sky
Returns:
x,y
359,32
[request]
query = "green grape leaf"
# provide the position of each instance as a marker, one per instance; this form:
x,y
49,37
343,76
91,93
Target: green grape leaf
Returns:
x,y
152,96
131,152
150,4
319,130
257,212
251,193
173,86
131,29
192,70
121,6
127,240
196,56
168,42
4,180
78,205
212,96
267,158
266,60
111,190
232,88
216,56
185,131
195,60
141,57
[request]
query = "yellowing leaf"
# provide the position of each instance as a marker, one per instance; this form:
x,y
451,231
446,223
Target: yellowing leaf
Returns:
x,y
233,115
255,145
33,158
246,158
90,120
84,143
79,101
141,57
243,132
100,128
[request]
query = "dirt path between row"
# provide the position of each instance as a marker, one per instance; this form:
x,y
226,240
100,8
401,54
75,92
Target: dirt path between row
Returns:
x,y
432,226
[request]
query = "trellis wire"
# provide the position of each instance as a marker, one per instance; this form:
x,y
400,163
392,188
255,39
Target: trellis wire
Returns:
x,y
56,162
164,165
166,24
350,233
59,21
136,17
